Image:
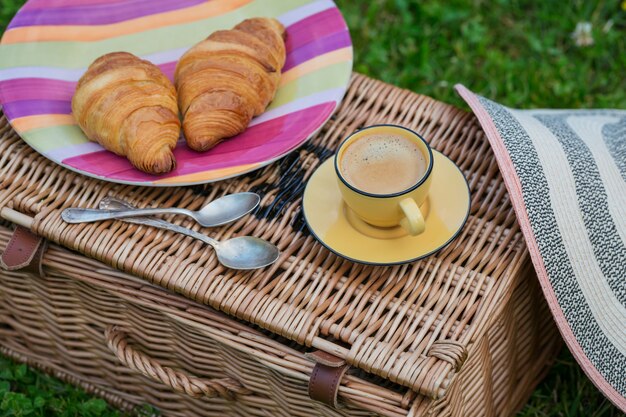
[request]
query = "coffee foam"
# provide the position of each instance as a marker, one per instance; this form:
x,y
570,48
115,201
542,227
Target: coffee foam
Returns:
x,y
383,164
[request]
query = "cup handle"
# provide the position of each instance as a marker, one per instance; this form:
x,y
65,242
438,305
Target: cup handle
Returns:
x,y
413,221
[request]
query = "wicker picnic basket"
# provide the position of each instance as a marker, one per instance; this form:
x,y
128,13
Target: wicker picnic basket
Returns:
x,y
130,313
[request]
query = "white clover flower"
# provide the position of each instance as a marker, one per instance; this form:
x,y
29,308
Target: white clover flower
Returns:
x,y
582,34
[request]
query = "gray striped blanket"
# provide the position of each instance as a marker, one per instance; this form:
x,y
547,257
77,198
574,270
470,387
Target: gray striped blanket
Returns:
x,y
566,174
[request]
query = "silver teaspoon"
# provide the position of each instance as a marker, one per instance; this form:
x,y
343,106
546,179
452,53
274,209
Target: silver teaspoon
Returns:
x,y
218,212
245,252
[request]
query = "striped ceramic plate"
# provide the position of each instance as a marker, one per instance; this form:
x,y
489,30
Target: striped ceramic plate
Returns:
x,y
50,43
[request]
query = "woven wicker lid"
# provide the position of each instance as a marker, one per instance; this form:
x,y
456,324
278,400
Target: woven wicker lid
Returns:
x,y
410,324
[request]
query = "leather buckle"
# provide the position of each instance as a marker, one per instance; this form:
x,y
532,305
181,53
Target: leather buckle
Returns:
x,y
24,252
326,377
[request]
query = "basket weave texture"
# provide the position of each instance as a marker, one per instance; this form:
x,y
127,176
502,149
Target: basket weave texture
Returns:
x,y
102,329
412,325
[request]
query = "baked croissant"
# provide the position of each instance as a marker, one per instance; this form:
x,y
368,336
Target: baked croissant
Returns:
x,y
128,106
228,78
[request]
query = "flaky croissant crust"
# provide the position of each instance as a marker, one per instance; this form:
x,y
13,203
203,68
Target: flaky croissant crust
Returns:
x,y
129,106
227,79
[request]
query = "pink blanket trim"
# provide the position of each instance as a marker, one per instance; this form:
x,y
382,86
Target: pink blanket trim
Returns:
x,y
515,191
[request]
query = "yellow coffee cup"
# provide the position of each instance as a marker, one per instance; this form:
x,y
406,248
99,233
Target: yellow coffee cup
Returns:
x,y
386,207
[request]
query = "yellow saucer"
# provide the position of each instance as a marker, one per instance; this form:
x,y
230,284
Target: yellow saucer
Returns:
x,y
337,228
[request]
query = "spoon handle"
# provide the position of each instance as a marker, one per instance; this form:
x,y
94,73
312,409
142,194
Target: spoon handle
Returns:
x,y
79,215
162,224
112,203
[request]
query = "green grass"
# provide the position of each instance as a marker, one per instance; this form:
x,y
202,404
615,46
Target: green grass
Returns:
x,y
25,392
519,53
566,392
7,10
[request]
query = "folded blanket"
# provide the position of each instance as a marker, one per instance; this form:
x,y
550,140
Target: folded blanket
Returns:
x,y
566,175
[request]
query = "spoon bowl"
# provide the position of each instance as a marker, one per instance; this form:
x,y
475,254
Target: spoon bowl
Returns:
x,y
246,252
227,209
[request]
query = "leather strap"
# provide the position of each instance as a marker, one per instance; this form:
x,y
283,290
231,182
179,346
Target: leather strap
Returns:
x,y
326,377
24,252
